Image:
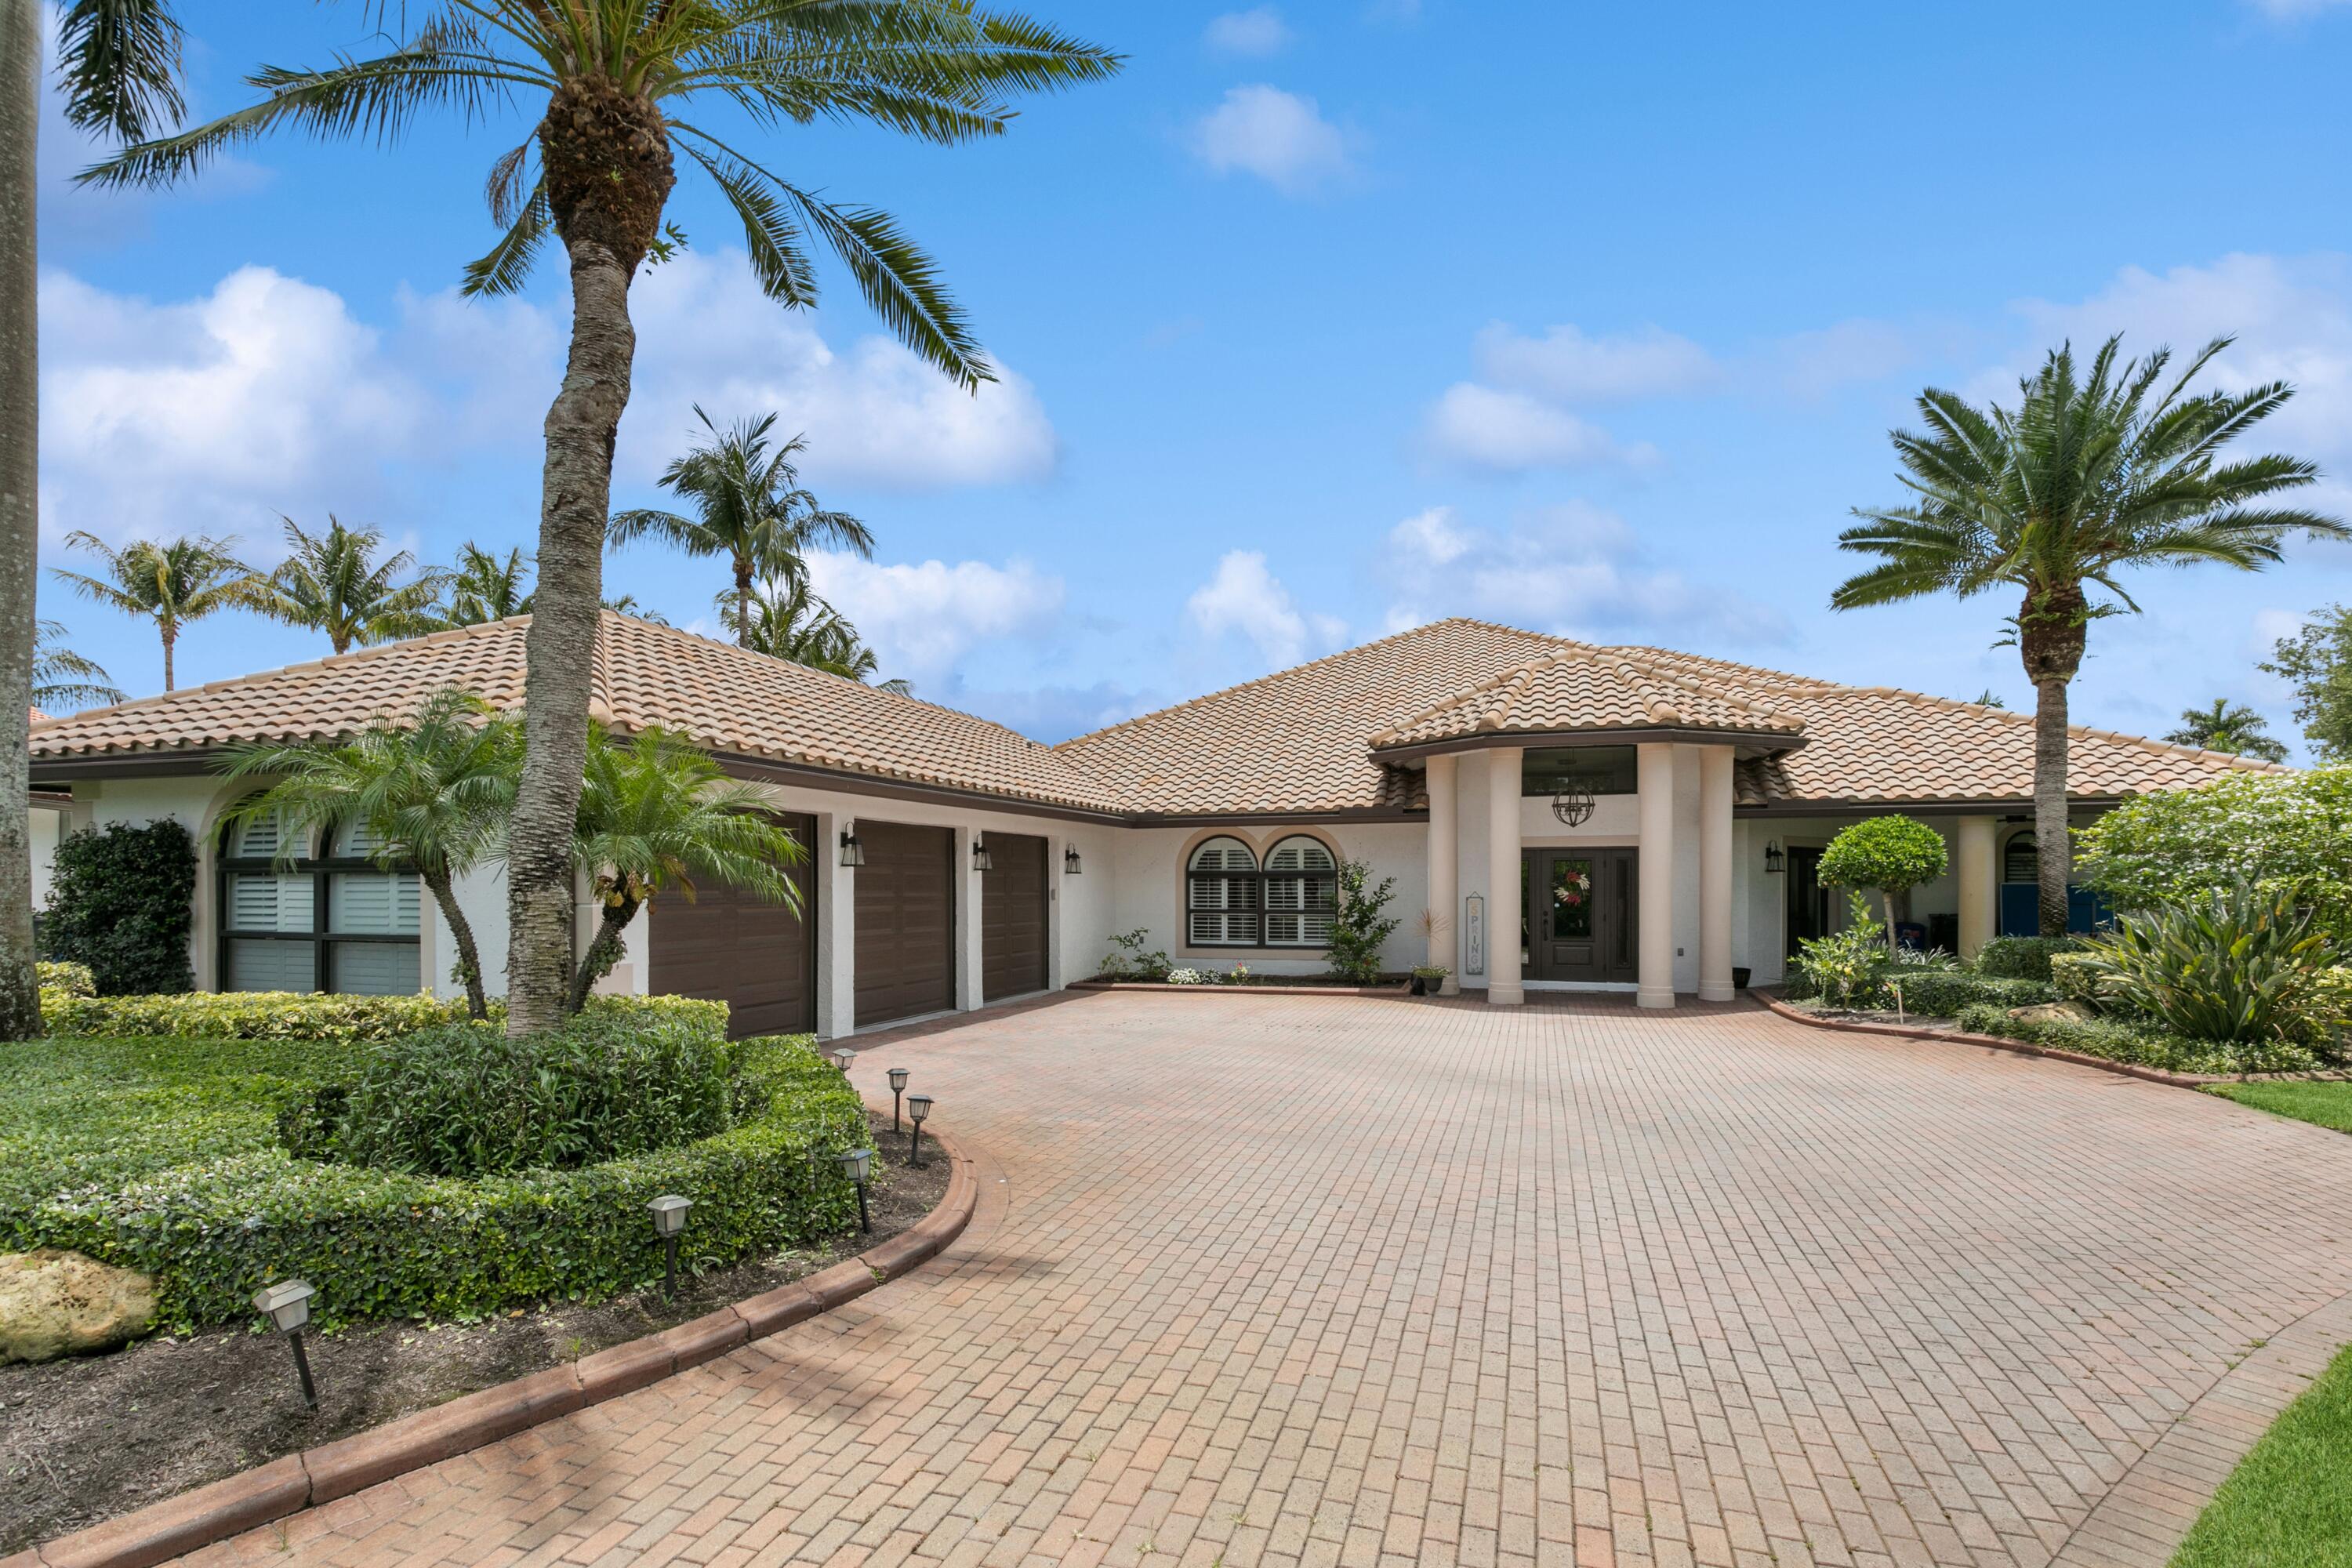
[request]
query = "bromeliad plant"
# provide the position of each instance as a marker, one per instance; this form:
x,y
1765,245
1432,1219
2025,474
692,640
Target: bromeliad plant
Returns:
x,y
2240,967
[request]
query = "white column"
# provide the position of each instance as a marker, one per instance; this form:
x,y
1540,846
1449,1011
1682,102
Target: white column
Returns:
x,y
1444,857
1655,963
967,916
1980,883
1503,901
1715,873
836,930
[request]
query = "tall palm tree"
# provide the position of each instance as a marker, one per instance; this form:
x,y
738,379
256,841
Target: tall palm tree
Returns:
x,y
627,604
595,172
656,813
787,620
332,583
119,65
433,789
2230,727
64,678
2091,473
486,587
172,583
748,506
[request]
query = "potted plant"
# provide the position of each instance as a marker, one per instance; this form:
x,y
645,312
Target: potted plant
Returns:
x,y
1738,978
1427,978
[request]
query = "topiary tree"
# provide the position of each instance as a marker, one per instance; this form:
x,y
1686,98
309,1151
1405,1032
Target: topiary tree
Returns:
x,y
1892,854
121,901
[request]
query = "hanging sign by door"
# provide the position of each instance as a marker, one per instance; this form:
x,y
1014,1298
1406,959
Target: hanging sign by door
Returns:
x,y
1474,934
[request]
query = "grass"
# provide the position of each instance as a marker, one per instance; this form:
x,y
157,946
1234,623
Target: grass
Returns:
x,y
2325,1104
2289,1502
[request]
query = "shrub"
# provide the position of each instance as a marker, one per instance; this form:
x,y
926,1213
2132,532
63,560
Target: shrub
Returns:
x,y
310,1015
1359,929
2287,832
121,902
2072,976
66,979
1847,968
2021,957
1942,994
2118,1040
1128,961
1893,853
2240,965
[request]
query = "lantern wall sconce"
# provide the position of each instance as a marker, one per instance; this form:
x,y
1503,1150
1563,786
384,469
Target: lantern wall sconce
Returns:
x,y
288,1302
853,853
1775,860
1070,867
981,859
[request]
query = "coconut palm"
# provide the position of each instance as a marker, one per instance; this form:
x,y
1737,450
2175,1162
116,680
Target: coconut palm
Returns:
x,y
333,583
655,814
627,604
2091,473
787,620
485,586
2230,727
172,583
64,678
595,172
748,506
431,788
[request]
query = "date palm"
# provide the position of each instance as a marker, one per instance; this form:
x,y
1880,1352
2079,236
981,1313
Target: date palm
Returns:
x,y
618,79
749,507
787,620
64,678
333,583
486,587
433,788
119,66
171,581
2096,470
2230,727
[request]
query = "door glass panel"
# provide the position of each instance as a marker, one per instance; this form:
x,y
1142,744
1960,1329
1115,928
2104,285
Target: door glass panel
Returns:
x,y
1571,900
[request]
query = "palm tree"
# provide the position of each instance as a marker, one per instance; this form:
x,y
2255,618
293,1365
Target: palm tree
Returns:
x,y
64,678
332,583
595,172
2087,475
433,790
119,66
172,583
485,587
2230,727
748,506
656,813
627,604
787,620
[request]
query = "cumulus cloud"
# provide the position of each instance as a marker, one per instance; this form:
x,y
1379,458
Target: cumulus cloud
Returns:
x,y
1256,32
922,617
1815,363
2296,10
1567,364
1243,596
1478,426
1280,137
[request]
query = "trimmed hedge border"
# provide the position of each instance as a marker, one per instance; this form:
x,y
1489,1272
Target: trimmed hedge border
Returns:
x,y
306,1016
213,1513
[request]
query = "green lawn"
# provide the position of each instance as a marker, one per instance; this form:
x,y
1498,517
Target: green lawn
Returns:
x,y
2328,1104
2289,1502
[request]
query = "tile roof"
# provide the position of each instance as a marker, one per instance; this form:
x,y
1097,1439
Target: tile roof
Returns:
x,y
726,699
1583,688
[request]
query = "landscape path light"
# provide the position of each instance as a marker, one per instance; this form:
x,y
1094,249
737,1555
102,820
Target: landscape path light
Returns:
x,y
898,1093
669,1223
855,1164
918,1107
845,1059
288,1302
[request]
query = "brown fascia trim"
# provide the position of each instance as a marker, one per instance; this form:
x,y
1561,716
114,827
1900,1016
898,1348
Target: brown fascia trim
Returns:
x,y
1984,807
1761,740
1275,818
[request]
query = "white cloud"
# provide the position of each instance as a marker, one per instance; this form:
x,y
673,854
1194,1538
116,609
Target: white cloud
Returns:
x,y
2296,10
1566,364
921,618
1256,32
1856,349
1507,432
1279,136
1245,597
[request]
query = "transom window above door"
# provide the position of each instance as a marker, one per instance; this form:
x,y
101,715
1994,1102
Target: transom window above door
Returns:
x,y
1232,900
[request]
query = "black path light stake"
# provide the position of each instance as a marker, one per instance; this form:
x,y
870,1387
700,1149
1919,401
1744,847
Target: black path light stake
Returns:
x,y
898,1093
854,1164
918,1107
288,1302
845,1059
669,1223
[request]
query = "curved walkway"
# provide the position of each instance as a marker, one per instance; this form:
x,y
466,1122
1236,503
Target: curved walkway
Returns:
x,y
1291,1280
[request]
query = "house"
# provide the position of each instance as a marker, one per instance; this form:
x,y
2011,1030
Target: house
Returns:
x,y
1565,816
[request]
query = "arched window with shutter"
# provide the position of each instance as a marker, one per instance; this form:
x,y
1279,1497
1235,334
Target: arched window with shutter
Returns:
x,y
2020,862
336,920
1220,895
1302,892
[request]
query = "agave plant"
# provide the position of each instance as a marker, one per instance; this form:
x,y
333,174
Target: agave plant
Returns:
x,y
2244,966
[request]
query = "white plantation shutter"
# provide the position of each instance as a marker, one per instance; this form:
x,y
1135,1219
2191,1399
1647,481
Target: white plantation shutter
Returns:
x,y
375,968
258,838
260,902
356,841
1301,891
271,966
1220,895
277,938
374,904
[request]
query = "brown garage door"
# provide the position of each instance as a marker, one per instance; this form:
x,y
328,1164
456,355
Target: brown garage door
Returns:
x,y
1013,917
906,922
734,947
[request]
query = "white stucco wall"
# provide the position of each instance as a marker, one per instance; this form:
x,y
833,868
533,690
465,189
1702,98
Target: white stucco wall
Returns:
x,y
1148,891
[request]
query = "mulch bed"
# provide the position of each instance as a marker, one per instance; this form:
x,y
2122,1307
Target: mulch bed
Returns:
x,y
84,1439
1874,1016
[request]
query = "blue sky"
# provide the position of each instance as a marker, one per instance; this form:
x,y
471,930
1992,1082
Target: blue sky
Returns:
x,y
1321,320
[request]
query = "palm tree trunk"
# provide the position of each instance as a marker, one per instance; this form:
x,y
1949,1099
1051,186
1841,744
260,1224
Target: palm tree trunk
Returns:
x,y
604,951
2054,851
742,602
171,636
20,77
461,931
560,648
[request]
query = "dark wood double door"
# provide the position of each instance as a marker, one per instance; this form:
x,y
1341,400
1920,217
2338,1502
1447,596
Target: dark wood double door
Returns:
x,y
1577,915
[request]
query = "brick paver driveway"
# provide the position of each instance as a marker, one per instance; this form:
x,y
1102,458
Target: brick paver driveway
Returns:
x,y
1294,1280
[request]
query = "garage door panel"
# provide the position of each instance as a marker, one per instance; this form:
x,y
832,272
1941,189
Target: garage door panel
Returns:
x,y
731,946
906,922
1013,896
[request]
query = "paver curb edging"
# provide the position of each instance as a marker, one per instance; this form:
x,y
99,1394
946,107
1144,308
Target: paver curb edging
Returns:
x,y
1402,988
2028,1048
288,1484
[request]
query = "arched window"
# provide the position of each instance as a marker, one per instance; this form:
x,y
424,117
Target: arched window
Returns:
x,y
1220,895
2019,862
333,922
1302,890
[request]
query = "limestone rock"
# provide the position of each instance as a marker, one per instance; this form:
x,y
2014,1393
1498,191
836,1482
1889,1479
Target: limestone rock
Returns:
x,y
54,1303
2052,1013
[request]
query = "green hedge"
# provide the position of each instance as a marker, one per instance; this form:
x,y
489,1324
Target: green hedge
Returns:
x,y
2072,976
69,979
1941,994
2119,1041
301,1015
2021,957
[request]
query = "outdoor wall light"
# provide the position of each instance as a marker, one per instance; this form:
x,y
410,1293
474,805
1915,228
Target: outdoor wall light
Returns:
x,y
981,859
1775,862
1572,803
897,1091
854,1164
918,1107
669,1224
1070,866
853,853
288,1302
845,1059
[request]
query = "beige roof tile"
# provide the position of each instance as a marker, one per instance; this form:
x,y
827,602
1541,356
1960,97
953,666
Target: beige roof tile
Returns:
x,y
1584,688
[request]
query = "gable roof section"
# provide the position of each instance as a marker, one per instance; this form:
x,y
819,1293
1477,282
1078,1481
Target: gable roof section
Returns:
x,y
726,699
1580,688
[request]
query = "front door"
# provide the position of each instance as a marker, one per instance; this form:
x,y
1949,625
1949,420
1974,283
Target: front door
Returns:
x,y
1808,901
1578,920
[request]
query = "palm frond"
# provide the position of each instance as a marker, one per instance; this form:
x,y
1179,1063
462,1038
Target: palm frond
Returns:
x,y
120,64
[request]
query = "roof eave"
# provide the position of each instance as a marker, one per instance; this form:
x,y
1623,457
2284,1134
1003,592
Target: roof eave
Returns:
x,y
1750,742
